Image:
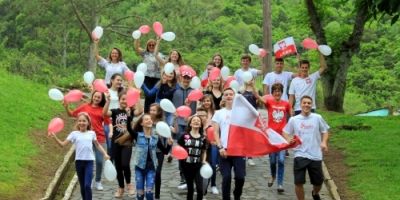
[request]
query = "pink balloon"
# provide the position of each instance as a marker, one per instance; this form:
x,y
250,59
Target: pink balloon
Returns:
x,y
228,81
195,95
263,53
309,43
179,152
158,28
73,96
215,73
186,69
55,125
144,29
132,96
129,75
100,85
184,111
210,134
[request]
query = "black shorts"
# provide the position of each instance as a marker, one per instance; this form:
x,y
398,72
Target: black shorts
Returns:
x,y
314,168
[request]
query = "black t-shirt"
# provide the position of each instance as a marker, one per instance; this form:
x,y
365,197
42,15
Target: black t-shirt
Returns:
x,y
194,146
217,100
120,117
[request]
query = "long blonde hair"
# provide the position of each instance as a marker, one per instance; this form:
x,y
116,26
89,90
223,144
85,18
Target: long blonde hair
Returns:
x,y
86,115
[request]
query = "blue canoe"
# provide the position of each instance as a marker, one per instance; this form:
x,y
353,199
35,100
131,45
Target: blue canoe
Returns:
x,y
376,113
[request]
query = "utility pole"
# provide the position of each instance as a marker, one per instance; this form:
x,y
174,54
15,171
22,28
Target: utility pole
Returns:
x,y
267,36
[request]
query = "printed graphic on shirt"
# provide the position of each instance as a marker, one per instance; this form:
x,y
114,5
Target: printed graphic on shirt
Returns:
x,y
121,119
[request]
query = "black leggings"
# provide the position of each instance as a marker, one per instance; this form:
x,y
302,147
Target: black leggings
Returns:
x,y
148,100
192,175
160,159
122,157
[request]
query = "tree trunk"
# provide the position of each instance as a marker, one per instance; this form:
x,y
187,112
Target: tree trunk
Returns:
x,y
267,35
334,80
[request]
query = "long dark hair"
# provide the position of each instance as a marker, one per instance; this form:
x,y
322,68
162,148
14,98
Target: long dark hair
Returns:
x,y
119,54
222,60
103,99
180,59
189,128
138,125
114,76
160,113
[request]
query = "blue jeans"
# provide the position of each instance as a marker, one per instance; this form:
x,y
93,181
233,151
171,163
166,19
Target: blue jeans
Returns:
x,y
280,156
144,177
214,162
99,161
84,170
238,164
108,140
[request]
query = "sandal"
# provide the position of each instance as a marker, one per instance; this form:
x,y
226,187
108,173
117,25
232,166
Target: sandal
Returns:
x,y
131,189
271,181
119,193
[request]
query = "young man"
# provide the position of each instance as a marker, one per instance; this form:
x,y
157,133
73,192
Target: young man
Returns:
x,y
312,129
305,84
221,121
278,76
245,62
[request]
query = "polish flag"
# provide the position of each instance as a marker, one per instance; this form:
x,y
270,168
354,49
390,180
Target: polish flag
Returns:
x,y
249,134
285,47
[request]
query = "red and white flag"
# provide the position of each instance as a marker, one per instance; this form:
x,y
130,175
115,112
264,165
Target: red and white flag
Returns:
x,y
249,134
285,47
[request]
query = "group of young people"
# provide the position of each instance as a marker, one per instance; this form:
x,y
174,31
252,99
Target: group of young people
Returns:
x,y
115,129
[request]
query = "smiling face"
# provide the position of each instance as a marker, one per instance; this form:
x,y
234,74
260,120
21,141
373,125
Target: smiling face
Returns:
x,y
114,55
122,101
196,122
151,46
116,82
217,60
97,97
83,123
229,94
279,66
306,105
304,69
147,122
174,56
245,63
207,102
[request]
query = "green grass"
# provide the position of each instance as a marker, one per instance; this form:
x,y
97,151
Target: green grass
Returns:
x,y
25,107
372,155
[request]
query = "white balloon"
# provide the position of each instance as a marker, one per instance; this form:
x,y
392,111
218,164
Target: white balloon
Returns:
x,y
168,36
167,106
254,49
136,34
325,50
225,72
169,68
247,76
98,32
109,171
195,83
163,129
138,79
234,85
88,77
56,94
206,171
142,67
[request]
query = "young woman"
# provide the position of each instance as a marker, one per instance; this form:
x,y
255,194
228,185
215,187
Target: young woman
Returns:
x,y
214,88
95,110
156,114
84,139
218,60
121,152
174,57
113,65
195,144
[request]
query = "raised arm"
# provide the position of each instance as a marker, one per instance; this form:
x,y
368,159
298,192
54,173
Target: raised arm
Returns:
x,y
96,49
157,55
322,63
136,45
255,92
106,112
66,106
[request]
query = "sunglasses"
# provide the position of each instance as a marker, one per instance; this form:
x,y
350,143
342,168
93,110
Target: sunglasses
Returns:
x,y
151,45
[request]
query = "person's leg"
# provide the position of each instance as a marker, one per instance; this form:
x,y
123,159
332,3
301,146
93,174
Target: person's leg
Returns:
x,y
117,154
316,177
150,174
214,158
272,166
181,130
80,172
299,191
160,159
139,177
299,170
281,167
199,181
88,178
126,155
108,140
226,171
239,165
99,162
189,174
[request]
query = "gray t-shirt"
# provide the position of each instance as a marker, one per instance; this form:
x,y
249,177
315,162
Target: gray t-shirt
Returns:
x,y
153,66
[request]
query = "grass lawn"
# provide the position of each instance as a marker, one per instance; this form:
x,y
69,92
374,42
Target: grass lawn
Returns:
x,y
372,156
26,108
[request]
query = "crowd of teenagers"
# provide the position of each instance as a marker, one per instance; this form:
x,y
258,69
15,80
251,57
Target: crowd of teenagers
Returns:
x,y
106,128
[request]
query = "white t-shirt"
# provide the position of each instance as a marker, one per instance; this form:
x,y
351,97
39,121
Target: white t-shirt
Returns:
x,y
112,68
239,73
309,130
304,86
114,101
223,118
283,78
83,142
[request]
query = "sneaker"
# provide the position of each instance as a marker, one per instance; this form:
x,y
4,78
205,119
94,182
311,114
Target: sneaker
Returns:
x,y
271,181
99,186
251,162
280,189
182,186
119,193
315,196
214,190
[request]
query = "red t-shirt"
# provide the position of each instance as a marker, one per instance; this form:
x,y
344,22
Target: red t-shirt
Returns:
x,y
96,118
277,114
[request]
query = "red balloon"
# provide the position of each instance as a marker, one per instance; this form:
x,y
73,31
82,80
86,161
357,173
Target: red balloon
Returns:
x,y
55,125
210,134
179,152
158,28
132,96
144,29
129,75
228,81
184,111
214,73
309,43
195,95
73,96
263,53
100,85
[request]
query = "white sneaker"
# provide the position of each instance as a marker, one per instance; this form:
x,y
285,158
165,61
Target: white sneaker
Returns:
x,y
214,190
251,162
182,186
99,186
